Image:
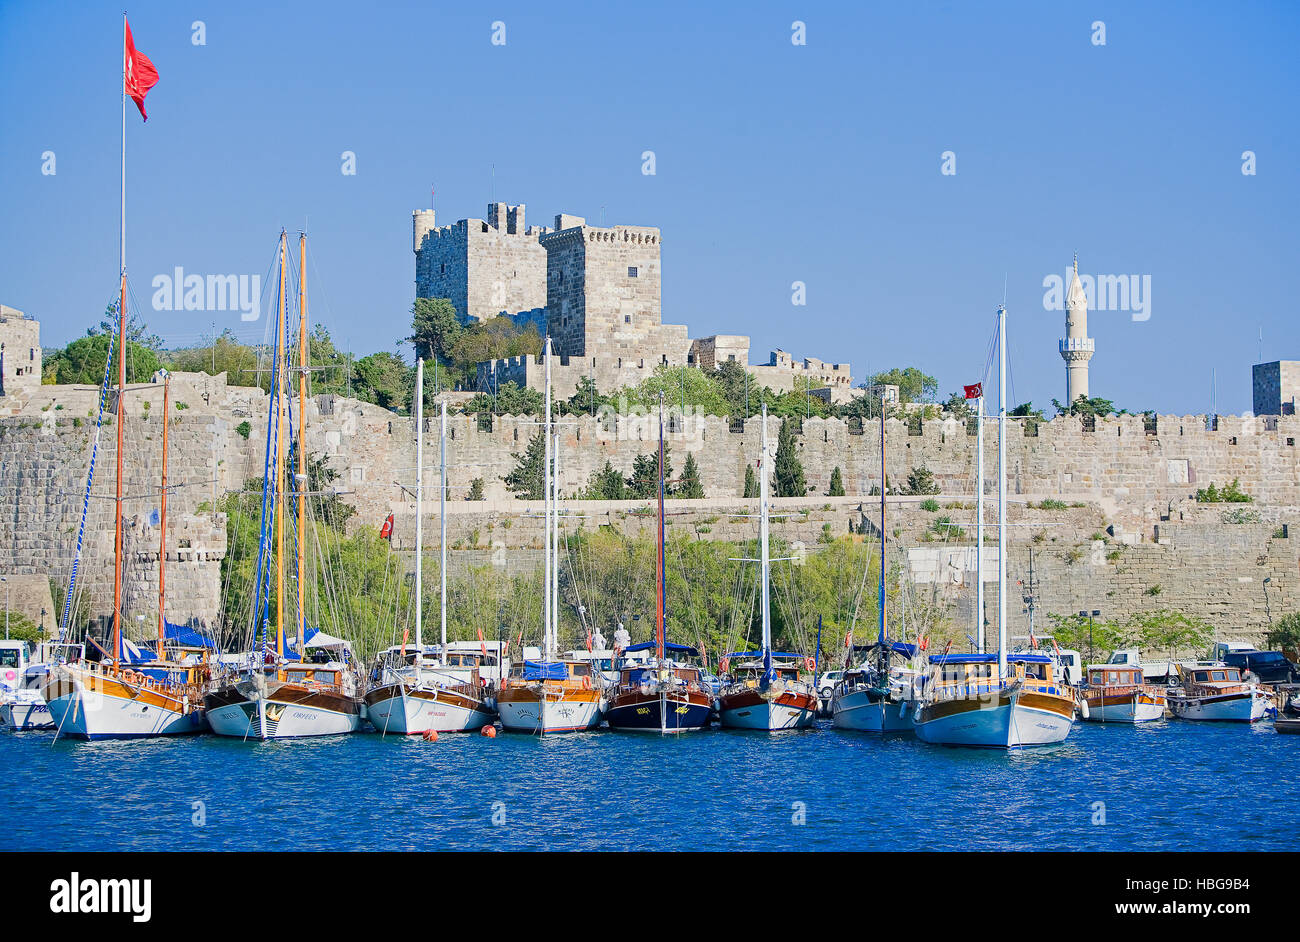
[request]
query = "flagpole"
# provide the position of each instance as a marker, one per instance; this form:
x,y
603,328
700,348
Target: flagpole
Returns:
x,y
121,388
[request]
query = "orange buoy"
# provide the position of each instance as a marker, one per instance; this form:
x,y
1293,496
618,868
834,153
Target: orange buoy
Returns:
x,y
489,731
430,735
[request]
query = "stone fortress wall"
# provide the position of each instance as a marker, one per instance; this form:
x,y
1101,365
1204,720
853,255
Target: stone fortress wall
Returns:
x,y
1134,480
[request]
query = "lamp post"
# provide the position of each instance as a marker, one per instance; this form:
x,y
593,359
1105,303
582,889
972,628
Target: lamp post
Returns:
x,y
1092,654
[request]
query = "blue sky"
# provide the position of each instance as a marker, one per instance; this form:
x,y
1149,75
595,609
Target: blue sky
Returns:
x,y
775,163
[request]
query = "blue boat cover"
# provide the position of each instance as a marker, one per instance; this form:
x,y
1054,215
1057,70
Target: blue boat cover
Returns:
x,y
1017,658
187,637
545,670
669,648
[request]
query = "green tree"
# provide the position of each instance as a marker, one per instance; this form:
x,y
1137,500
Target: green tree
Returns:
x,y
82,362
789,471
586,400
644,483
913,385
435,329
21,627
225,354
1026,410
1085,406
680,385
1284,633
920,481
738,387
385,380
475,490
751,482
606,484
837,483
510,399
527,480
690,486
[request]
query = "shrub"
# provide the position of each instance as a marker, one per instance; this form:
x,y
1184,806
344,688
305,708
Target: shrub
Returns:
x,y
244,429
1051,504
929,504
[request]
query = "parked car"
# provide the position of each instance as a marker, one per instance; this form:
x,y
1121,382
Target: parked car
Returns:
x,y
826,683
1271,667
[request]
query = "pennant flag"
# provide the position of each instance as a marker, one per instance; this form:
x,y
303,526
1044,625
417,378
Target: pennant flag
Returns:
x,y
482,646
974,392
138,72
386,531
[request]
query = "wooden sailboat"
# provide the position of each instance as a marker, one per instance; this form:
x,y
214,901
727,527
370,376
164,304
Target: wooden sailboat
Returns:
x,y
873,697
552,695
411,694
765,692
286,698
119,696
666,695
1001,700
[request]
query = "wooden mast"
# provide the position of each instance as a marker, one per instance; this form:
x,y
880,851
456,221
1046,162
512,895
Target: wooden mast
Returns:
x,y
121,391
301,478
279,464
162,525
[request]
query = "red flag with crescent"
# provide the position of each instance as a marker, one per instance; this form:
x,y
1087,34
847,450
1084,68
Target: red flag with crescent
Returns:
x,y
138,73
974,392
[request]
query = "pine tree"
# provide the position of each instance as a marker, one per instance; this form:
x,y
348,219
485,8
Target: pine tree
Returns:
x,y
789,472
606,484
690,486
644,483
528,479
837,483
751,482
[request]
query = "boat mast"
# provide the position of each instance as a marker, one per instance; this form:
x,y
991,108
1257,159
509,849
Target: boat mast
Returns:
x,y
442,520
660,582
279,466
546,505
979,520
419,512
1002,491
880,640
121,391
660,577
764,562
301,477
162,524
555,541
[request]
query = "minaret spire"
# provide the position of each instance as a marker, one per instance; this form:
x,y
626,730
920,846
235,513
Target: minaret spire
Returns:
x,y
1076,347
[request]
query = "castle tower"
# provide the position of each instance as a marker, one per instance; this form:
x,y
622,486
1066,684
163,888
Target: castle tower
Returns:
x,y
1076,347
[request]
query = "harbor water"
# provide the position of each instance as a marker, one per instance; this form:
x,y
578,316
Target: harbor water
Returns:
x,y
1168,785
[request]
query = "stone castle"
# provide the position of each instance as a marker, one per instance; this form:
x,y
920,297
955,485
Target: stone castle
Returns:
x,y
595,290
1119,526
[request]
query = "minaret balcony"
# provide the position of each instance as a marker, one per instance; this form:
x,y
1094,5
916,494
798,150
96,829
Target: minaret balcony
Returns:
x,y
1076,345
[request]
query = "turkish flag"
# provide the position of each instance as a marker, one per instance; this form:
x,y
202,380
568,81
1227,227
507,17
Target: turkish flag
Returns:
x,y
138,72
974,392
386,531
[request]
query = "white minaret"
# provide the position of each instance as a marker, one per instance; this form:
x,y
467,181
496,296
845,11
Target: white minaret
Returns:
x,y
1077,346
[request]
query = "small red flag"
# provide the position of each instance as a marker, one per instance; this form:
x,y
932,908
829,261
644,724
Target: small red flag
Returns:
x,y
481,645
974,392
386,531
138,72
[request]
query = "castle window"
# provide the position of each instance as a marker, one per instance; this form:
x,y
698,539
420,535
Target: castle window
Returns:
x,y
627,318
631,271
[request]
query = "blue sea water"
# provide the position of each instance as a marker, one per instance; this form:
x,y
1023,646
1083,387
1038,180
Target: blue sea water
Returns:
x,y
1165,786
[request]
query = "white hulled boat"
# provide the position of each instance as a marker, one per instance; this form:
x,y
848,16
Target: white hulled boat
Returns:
x,y
552,694
275,693
765,691
422,694
995,700
1217,692
1120,694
